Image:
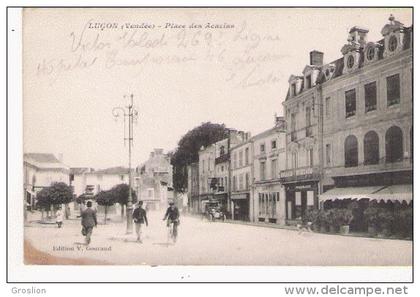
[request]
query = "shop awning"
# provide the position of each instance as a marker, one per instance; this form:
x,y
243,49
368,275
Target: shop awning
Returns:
x,y
395,193
378,193
349,193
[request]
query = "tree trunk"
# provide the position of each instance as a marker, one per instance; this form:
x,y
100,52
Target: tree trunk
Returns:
x,y
106,210
122,211
67,209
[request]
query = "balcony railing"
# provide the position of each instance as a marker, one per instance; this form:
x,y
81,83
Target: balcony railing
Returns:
x,y
222,159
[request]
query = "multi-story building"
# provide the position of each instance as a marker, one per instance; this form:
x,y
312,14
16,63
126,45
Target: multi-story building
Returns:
x,y
356,114
206,166
301,176
269,158
242,178
368,116
214,170
153,181
41,170
193,188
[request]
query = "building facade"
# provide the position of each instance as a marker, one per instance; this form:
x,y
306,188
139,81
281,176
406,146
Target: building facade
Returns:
x,y
369,118
242,178
269,159
301,177
153,180
40,170
356,114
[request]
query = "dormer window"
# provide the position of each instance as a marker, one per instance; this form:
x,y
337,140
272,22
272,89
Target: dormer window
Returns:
x,y
308,81
393,43
370,55
350,62
294,89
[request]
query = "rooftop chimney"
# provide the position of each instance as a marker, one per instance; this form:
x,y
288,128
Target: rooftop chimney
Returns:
x,y
316,58
280,122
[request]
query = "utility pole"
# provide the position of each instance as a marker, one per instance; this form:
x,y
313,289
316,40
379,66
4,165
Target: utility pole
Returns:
x,y
132,114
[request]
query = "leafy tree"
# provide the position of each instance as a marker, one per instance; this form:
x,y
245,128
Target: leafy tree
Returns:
x,y
106,199
56,194
188,148
120,193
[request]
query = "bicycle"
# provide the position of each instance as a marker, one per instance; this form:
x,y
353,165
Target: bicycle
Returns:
x,y
172,231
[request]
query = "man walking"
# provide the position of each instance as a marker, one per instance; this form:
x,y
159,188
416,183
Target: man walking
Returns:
x,y
139,217
88,221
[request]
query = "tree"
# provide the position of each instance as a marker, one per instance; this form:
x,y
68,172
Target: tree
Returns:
x,y
56,194
188,148
120,193
106,199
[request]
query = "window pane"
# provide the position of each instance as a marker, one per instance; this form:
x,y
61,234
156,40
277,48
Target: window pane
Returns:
x,y
393,89
350,103
370,97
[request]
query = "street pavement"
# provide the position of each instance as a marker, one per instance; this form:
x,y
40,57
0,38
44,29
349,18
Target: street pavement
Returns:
x,y
213,243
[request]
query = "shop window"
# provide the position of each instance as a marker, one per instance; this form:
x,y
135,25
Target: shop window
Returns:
x,y
350,151
371,148
298,204
393,89
370,97
350,103
393,144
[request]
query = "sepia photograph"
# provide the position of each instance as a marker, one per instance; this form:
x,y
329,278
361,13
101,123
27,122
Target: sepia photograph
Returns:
x,y
269,137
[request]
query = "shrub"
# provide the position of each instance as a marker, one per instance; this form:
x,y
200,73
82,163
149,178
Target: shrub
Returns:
x,y
371,216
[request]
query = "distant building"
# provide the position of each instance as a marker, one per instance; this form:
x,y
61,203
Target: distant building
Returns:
x,y
214,170
242,178
91,181
153,180
40,170
269,158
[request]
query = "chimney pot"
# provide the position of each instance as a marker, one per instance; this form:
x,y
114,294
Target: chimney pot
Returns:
x,y
316,58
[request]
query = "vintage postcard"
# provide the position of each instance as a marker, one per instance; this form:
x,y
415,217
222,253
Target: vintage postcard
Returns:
x,y
270,137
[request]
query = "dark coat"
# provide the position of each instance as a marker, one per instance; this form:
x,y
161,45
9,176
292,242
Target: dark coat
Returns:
x,y
89,218
139,216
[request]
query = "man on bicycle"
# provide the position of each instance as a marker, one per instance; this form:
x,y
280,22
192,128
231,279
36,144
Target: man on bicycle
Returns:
x,y
172,216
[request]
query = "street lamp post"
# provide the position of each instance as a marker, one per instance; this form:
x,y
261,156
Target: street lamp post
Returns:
x,y
132,114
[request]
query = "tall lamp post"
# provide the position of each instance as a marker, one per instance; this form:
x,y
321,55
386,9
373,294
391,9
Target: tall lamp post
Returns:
x,y
132,114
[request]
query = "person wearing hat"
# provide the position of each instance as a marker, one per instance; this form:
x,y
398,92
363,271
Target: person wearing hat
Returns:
x,y
88,221
172,216
140,218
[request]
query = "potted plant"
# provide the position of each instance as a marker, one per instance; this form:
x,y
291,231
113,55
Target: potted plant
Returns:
x,y
333,220
371,217
344,217
311,217
323,221
385,222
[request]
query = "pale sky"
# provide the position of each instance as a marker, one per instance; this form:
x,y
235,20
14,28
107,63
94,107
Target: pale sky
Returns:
x,y
73,77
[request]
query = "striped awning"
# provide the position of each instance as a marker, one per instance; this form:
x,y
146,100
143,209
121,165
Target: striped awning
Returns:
x,y
399,193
